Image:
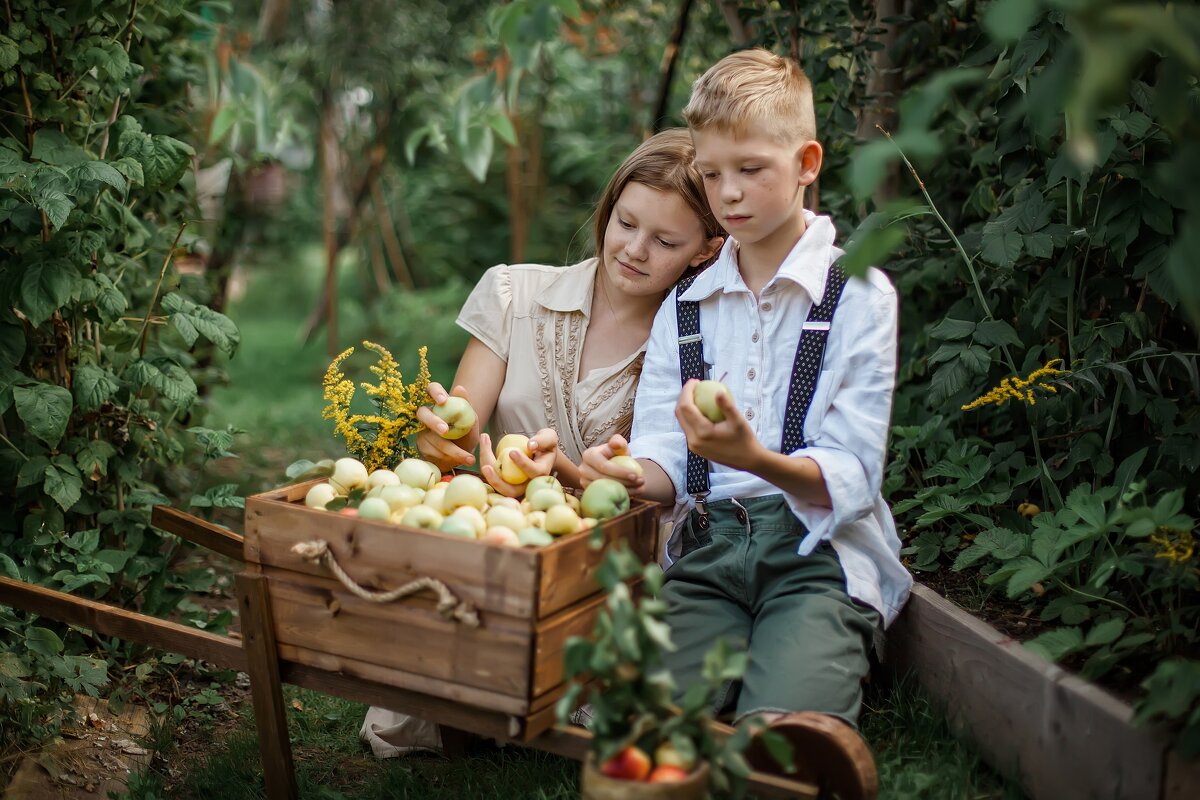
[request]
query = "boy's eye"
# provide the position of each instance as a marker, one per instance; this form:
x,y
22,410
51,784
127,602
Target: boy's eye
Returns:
x,y
750,170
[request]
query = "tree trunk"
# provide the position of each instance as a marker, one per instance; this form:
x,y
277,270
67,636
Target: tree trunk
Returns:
x,y
883,88
388,234
666,72
739,32
329,153
273,19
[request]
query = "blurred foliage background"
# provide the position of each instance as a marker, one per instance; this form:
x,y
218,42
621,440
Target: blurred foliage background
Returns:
x,y
1027,171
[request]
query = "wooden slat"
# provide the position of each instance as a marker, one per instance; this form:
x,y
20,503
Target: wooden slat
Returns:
x,y
551,636
467,695
128,625
568,567
270,718
408,634
198,531
382,555
1027,715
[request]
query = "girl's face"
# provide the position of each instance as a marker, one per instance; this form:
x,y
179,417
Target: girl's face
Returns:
x,y
651,238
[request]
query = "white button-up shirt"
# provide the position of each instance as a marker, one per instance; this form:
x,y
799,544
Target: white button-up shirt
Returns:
x,y
750,344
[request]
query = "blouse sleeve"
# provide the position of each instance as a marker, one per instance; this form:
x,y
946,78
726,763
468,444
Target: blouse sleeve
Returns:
x,y
487,315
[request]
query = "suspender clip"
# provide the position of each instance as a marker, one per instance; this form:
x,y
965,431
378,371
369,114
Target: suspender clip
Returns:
x,y
701,508
694,338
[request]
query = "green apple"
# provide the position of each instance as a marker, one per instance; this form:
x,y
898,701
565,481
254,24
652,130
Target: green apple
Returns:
x,y
374,508
435,499
458,526
561,520
319,495
382,477
534,537
458,414
348,474
465,490
417,473
495,500
500,535
628,462
506,517
422,517
706,399
542,482
605,498
536,519
401,496
545,499
472,515
668,756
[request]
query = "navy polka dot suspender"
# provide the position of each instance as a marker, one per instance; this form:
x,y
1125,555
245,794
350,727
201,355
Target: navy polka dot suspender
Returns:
x,y
810,352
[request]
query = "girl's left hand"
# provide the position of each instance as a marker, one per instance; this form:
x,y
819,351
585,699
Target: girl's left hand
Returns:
x,y
544,445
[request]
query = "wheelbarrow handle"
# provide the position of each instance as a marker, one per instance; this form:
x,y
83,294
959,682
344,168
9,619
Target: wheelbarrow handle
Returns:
x,y
199,531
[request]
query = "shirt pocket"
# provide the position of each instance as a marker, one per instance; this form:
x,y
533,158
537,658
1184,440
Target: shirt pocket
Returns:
x,y
827,383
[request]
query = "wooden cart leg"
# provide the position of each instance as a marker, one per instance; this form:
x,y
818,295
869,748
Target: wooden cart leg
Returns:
x,y
258,638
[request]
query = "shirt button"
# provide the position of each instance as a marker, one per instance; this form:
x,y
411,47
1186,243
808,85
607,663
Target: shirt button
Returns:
x,y
754,336
749,413
766,306
750,375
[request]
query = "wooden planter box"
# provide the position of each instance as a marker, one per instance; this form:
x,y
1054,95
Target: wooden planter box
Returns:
x,y
1060,735
529,602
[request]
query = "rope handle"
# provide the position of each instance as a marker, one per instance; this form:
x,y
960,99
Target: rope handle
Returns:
x,y
449,606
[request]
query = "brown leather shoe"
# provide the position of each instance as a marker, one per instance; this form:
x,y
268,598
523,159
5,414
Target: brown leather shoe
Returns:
x,y
826,752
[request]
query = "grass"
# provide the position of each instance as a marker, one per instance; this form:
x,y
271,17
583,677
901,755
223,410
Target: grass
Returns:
x,y
275,395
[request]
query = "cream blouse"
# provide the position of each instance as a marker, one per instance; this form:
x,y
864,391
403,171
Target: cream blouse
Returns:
x,y
535,317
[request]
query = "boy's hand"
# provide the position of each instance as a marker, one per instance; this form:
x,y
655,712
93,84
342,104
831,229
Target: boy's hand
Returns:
x,y
544,444
445,454
730,442
597,464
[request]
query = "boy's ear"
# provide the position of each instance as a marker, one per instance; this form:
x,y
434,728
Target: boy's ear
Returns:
x,y
708,251
809,157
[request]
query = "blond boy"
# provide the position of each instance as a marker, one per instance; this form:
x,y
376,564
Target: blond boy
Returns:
x,y
784,543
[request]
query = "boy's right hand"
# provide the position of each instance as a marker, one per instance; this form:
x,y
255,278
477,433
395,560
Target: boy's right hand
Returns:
x,y
445,454
597,463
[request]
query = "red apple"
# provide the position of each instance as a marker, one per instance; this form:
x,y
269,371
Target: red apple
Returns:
x,y
349,512
631,764
667,774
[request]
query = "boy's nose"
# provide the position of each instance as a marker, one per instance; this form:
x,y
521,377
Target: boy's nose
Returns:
x,y
730,192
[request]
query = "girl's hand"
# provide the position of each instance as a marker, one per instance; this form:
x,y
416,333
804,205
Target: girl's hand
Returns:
x,y
490,470
597,463
543,453
445,454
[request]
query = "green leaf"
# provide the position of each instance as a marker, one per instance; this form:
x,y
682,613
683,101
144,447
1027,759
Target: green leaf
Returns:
x,y
992,333
951,329
93,386
167,162
45,410
109,299
477,150
502,125
192,321
111,58
9,53
32,472
131,170
1057,644
8,567
1001,248
100,172
53,147
112,561
223,496
1028,572
92,458
63,484
948,381
1007,20
55,204
1105,632
878,237
12,343
170,380
46,287
11,164
43,641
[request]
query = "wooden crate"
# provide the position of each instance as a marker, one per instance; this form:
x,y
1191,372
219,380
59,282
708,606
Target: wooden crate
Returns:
x,y
530,601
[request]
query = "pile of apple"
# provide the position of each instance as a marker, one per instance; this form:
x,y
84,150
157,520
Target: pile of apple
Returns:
x,y
416,494
634,764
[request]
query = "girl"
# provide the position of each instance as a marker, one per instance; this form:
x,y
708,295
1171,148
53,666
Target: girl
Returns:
x,y
558,350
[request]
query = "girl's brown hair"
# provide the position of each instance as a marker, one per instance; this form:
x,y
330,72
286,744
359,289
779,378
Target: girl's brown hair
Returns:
x,y
663,162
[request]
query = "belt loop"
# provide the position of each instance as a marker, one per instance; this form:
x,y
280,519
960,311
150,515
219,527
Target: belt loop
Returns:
x,y
701,509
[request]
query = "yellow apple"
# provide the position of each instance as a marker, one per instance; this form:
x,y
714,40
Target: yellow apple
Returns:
x,y
422,517
465,490
706,399
628,462
534,537
536,519
572,501
348,474
374,508
382,477
401,496
500,535
458,414
434,498
542,482
545,499
458,526
319,495
472,515
506,517
495,499
605,498
418,473
561,519
510,472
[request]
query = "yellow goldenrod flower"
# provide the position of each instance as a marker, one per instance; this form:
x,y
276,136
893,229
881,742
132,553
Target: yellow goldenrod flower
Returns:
x,y
378,440
1021,389
1175,545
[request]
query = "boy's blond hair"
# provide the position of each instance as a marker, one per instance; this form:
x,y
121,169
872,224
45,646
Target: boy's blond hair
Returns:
x,y
754,89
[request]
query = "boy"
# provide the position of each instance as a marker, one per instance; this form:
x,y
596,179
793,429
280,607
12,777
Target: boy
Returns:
x,y
787,547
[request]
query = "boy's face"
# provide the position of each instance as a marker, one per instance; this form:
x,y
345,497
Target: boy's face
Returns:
x,y
755,183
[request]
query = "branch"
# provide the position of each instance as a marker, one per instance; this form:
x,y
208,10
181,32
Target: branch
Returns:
x,y
667,68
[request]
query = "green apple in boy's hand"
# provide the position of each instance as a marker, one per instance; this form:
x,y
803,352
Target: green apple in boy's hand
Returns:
x,y
706,399
458,414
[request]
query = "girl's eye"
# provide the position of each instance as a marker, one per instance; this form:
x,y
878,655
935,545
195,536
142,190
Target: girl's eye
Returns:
x,y
667,244
623,223
708,176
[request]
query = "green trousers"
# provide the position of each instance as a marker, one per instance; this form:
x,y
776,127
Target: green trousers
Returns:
x,y
740,579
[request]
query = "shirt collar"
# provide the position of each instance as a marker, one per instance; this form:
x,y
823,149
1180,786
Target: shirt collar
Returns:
x,y
571,289
807,265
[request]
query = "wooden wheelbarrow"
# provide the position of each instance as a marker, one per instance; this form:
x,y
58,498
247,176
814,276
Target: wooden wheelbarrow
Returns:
x,y
498,678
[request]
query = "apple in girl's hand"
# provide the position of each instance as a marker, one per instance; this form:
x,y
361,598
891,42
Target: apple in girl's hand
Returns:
x,y
631,764
422,517
319,495
417,473
348,473
374,508
458,414
706,399
628,462
465,490
509,471
605,498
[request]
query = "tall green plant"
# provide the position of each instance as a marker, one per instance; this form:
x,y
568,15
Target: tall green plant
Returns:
x,y
98,416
